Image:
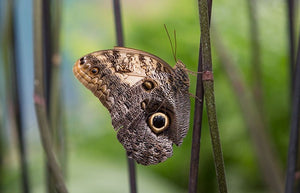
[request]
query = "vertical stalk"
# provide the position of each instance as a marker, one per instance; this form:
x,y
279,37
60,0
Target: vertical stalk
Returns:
x,y
57,110
51,29
16,99
267,160
294,133
255,57
2,175
197,125
118,23
1,153
208,87
120,42
2,91
291,28
40,99
47,41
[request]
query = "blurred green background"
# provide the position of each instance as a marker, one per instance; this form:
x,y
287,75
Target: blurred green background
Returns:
x,y
96,160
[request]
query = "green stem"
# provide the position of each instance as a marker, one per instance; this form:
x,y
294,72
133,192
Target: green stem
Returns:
x,y
267,158
208,86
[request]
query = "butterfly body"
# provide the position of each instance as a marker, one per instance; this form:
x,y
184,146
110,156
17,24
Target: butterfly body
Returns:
x,y
148,99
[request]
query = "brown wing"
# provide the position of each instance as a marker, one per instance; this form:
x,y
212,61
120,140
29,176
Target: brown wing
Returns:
x,y
134,85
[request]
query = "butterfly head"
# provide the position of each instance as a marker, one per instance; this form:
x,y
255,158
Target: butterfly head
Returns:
x,y
90,72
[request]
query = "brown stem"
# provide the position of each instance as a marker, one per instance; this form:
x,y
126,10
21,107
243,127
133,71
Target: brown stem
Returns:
x,y
197,125
291,27
120,42
293,150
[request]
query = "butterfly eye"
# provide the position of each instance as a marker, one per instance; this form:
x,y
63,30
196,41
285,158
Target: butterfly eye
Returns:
x,y
95,70
158,122
148,85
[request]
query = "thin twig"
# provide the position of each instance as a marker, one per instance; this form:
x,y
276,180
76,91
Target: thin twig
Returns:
x,y
268,162
16,100
2,107
294,133
2,136
208,86
1,152
51,28
118,23
255,57
120,42
291,28
47,41
57,110
39,99
197,125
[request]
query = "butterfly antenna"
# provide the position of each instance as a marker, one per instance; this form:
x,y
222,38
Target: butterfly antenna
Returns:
x,y
192,72
174,52
175,45
195,97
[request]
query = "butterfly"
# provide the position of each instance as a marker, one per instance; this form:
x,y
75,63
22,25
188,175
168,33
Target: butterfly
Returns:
x,y
147,99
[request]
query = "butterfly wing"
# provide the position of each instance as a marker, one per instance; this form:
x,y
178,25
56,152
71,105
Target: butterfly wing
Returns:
x,y
147,99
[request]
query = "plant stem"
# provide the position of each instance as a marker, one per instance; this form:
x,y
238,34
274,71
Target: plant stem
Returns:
x,y
16,100
51,29
267,160
291,26
208,86
294,132
40,101
120,42
57,110
197,125
255,58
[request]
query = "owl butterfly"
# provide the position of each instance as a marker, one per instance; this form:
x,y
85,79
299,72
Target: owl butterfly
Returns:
x,y
148,100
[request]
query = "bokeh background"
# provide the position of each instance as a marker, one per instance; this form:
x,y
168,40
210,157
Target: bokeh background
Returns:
x,y
95,159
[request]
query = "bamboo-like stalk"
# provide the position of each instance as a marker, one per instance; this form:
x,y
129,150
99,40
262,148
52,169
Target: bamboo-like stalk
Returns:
x,y
47,41
2,90
118,23
51,29
57,111
208,87
291,28
2,152
14,95
293,155
120,42
197,125
256,58
268,162
40,101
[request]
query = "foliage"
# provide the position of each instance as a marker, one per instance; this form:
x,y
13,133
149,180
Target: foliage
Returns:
x,y
96,158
